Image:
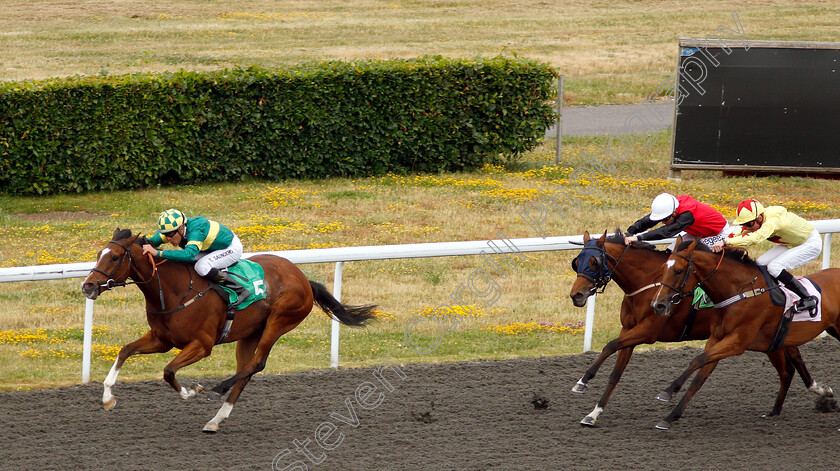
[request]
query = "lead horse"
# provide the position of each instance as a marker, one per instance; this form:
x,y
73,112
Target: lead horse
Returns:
x,y
749,320
194,321
636,269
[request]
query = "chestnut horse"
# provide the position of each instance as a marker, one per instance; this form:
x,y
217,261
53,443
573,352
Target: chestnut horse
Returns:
x,y
748,318
636,269
181,316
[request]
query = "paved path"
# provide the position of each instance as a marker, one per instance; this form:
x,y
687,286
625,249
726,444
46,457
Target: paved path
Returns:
x,y
615,119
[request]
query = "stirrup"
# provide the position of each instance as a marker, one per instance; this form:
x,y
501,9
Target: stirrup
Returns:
x,y
806,304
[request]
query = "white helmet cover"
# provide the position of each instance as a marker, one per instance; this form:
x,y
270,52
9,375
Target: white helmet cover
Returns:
x,y
663,206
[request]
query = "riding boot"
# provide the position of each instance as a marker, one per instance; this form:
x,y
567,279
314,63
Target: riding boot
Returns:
x,y
806,302
224,279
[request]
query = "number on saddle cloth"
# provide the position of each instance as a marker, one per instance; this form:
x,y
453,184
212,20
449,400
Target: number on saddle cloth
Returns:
x,y
251,276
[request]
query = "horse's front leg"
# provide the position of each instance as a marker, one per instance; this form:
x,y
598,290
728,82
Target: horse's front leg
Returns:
x,y
696,363
194,351
675,414
715,351
148,343
621,361
646,331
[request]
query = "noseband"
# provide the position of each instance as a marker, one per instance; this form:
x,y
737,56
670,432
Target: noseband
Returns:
x,y
601,277
111,281
678,291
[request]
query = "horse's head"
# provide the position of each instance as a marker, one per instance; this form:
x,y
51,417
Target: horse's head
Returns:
x,y
113,265
675,276
592,268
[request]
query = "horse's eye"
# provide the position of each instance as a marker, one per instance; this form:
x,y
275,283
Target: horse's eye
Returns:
x,y
596,264
678,271
115,258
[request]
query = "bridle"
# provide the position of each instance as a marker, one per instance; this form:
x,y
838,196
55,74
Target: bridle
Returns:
x,y
679,295
603,275
111,278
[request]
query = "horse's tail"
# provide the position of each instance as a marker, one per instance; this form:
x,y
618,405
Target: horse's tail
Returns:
x,y
356,316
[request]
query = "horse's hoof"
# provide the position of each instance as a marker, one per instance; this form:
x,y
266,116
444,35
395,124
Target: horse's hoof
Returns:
x,y
108,405
663,426
769,415
210,428
579,388
213,396
664,396
588,421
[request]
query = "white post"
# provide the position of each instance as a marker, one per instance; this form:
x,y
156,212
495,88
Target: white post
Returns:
x,y
826,262
826,250
88,340
339,267
590,319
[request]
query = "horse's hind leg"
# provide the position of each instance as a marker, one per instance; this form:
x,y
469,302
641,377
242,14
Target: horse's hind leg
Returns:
x,y
148,343
795,358
245,350
621,361
194,351
274,328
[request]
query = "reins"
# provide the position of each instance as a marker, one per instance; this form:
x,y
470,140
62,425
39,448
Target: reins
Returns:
x,y
111,282
679,295
605,274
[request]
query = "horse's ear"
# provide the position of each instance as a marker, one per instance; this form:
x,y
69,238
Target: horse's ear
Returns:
x,y
114,235
586,237
692,245
678,242
602,239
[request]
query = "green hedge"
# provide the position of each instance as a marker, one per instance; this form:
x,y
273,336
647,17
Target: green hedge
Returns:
x,y
316,120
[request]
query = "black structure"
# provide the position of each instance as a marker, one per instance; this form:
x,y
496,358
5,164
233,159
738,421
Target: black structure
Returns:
x,y
757,106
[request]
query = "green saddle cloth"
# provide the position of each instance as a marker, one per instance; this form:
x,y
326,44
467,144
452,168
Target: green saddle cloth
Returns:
x,y
701,297
250,275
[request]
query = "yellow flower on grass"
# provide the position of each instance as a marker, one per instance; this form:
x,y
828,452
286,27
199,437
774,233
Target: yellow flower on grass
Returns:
x,y
529,327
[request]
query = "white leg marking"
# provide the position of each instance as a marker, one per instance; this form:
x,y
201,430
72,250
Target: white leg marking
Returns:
x,y
821,390
110,380
224,412
187,393
595,413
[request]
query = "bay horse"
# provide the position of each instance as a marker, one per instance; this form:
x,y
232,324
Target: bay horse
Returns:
x,y
748,319
181,316
637,269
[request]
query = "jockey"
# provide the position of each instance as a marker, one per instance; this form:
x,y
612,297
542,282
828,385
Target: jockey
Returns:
x,y
211,245
680,214
799,243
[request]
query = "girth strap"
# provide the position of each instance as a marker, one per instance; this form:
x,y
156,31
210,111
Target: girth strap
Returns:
x,y
226,328
782,331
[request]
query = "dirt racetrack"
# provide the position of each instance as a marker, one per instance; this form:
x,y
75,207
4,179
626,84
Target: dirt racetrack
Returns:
x,y
471,415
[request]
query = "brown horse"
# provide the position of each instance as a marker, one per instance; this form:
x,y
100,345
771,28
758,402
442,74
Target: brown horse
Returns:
x,y
748,321
637,269
181,316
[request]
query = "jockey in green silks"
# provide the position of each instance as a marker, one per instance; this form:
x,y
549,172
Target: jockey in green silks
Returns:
x,y
210,244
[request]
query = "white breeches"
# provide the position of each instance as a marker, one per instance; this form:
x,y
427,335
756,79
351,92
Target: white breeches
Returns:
x,y
219,258
782,257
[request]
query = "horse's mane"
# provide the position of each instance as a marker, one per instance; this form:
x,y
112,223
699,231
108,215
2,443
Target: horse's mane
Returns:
x,y
618,238
740,256
122,234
